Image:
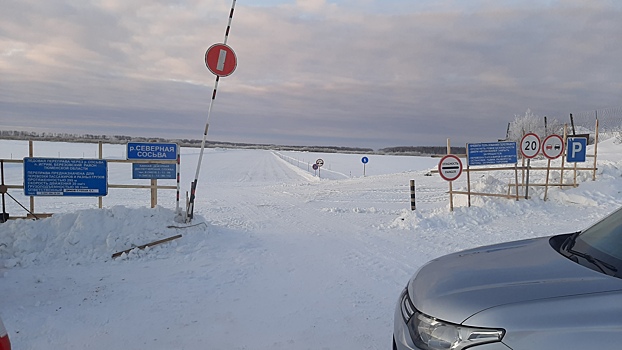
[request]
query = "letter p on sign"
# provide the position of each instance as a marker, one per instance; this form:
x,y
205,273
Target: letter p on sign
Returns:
x,y
576,149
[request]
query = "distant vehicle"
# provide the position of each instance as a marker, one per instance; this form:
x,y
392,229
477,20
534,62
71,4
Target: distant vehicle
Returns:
x,y
5,344
559,292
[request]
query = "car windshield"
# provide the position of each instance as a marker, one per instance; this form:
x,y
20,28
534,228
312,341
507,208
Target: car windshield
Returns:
x,y
605,236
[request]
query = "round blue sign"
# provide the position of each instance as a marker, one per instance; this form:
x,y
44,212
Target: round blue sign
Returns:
x,y
364,160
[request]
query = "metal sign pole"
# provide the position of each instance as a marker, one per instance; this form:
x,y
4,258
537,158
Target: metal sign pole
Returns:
x,y
193,187
527,181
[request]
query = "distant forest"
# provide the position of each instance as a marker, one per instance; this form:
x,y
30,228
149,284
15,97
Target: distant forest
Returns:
x,y
122,139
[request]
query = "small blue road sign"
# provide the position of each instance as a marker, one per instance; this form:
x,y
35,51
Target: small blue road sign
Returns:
x,y
65,177
154,171
576,148
151,151
365,160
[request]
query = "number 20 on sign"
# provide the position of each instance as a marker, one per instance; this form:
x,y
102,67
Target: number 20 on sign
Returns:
x,y
530,145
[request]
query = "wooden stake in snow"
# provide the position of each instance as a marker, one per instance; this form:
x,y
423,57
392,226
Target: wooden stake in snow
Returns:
x,y
118,254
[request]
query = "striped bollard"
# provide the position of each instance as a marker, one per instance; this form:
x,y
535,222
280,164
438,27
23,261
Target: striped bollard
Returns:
x,y
413,205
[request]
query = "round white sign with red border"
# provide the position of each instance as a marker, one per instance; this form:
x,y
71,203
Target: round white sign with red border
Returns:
x,y
530,145
450,167
220,60
553,146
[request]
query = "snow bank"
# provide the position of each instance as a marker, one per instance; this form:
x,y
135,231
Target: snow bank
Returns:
x,y
90,235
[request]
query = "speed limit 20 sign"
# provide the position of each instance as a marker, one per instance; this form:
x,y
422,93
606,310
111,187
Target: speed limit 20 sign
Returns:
x,y
530,145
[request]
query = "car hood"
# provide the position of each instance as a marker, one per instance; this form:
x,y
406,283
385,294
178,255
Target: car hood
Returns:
x,y
456,286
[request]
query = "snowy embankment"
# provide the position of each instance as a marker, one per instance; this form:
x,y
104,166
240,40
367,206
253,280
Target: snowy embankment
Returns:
x,y
277,258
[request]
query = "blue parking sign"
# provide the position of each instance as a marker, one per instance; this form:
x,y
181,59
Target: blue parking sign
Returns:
x,y
576,148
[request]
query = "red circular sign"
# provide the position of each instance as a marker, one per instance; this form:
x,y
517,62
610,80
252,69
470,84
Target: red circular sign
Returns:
x,y
553,146
450,167
530,145
220,60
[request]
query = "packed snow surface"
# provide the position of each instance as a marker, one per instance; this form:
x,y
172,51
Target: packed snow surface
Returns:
x,y
279,256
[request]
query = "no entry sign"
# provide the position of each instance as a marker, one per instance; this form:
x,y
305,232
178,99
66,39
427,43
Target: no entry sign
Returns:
x,y
220,60
450,167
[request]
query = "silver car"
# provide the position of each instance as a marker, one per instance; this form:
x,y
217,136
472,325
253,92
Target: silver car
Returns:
x,y
560,292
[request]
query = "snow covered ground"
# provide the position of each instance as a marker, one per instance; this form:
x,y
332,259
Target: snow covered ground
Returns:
x,y
277,258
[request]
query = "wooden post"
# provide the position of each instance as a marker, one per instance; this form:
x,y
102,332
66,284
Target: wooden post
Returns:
x,y
595,149
546,184
4,216
30,154
545,126
101,155
516,178
178,170
561,172
451,196
525,183
451,190
468,173
154,193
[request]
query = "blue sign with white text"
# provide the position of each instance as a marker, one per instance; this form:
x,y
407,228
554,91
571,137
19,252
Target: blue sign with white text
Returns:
x,y
65,177
154,171
490,153
576,150
151,151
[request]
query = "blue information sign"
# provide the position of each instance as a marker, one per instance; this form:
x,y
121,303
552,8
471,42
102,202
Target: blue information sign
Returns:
x,y
492,153
151,151
577,149
364,160
154,171
65,177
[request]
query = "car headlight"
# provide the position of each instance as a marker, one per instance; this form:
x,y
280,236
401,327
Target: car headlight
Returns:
x,y
429,333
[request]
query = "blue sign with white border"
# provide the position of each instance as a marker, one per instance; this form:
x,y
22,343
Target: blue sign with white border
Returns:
x,y
364,160
151,151
154,171
490,153
65,177
576,149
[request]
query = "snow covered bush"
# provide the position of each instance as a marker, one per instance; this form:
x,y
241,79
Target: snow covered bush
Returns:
x,y
532,123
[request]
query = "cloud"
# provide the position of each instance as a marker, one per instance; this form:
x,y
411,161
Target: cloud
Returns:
x,y
312,6
312,72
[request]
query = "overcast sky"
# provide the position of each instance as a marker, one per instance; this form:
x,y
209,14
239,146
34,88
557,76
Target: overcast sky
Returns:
x,y
361,73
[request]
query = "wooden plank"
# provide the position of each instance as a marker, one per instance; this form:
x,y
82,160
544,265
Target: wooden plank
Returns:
x,y
486,194
117,254
541,185
30,216
442,155
160,187
142,161
531,168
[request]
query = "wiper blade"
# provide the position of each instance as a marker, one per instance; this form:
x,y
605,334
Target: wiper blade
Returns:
x,y
594,261
570,241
